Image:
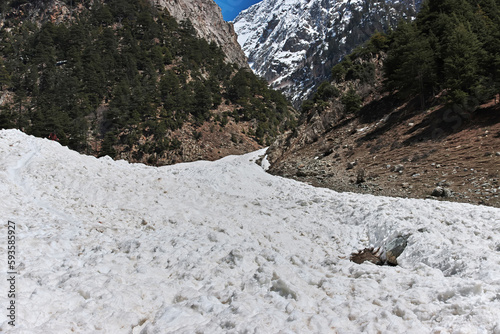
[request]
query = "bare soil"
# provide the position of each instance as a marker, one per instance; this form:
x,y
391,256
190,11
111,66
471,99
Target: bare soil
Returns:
x,y
407,153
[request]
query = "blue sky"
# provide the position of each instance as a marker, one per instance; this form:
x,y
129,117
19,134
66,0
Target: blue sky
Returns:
x,y
231,8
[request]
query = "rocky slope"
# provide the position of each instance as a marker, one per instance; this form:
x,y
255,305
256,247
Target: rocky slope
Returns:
x,y
134,82
294,43
210,141
383,158
387,125
206,17
393,148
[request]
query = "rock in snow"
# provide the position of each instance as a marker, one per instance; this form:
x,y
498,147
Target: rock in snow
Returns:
x,y
227,248
394,248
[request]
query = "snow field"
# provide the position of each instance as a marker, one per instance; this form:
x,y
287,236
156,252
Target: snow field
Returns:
x,y
222,247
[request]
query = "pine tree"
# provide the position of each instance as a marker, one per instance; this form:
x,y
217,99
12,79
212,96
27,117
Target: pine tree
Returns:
x,y
147,72
411,65
5,78
461,53
351,101
107,145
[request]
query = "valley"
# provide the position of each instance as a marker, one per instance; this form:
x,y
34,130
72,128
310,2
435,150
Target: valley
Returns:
x,y
339,172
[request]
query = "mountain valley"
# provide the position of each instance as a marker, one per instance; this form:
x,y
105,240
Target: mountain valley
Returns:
x,y
151,182
408,113
170,96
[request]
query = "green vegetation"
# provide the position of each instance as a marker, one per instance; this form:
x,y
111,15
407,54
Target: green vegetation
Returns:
x,y
355,66
351,101
451,48
120,70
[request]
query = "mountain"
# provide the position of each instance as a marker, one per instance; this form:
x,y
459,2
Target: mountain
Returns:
x,y
207,20
155,82
411,113
205,16
224,247
294,43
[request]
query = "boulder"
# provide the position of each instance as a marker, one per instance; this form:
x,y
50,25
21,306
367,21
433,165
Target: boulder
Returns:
x,y
438,192
441,192
399,168
350,165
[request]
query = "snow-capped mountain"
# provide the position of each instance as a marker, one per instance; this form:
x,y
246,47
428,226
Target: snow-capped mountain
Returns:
x,y
223,247
294,43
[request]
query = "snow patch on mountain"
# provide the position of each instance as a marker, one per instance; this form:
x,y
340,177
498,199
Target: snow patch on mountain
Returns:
x,y
213,247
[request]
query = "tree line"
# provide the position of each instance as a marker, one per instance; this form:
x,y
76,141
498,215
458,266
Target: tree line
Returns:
x,y
121,69
451,48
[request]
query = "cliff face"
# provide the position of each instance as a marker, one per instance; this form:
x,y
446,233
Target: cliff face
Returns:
x,y
206,18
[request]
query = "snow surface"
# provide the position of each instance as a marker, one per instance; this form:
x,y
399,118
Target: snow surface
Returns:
x,y
223,247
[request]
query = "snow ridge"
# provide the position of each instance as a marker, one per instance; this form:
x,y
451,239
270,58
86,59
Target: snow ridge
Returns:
x,y
222,246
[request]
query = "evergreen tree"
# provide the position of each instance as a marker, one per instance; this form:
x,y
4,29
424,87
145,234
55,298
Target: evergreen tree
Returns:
x,y
5,78
107,145
325,92
461,53
202,100
239,87
411,65
351,101
452,46
147,72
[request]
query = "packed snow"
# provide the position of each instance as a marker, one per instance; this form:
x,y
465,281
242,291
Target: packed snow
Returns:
x,y
223,247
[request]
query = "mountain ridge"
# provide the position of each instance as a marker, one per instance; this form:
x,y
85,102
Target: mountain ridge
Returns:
x,y
205,16
294,44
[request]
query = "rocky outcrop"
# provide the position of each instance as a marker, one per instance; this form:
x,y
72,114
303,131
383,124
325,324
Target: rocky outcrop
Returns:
x,y
394,248
55,11
207,20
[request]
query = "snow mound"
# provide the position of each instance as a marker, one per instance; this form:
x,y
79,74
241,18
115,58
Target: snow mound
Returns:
x,y
215,247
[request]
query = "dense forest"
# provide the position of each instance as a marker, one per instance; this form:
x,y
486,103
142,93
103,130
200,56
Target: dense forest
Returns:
x,y
122,69
451,50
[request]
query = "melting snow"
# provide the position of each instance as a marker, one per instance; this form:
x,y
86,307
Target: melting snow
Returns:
x,y
214,247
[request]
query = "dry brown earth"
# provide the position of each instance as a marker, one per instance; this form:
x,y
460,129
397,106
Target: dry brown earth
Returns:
x,y
440,154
